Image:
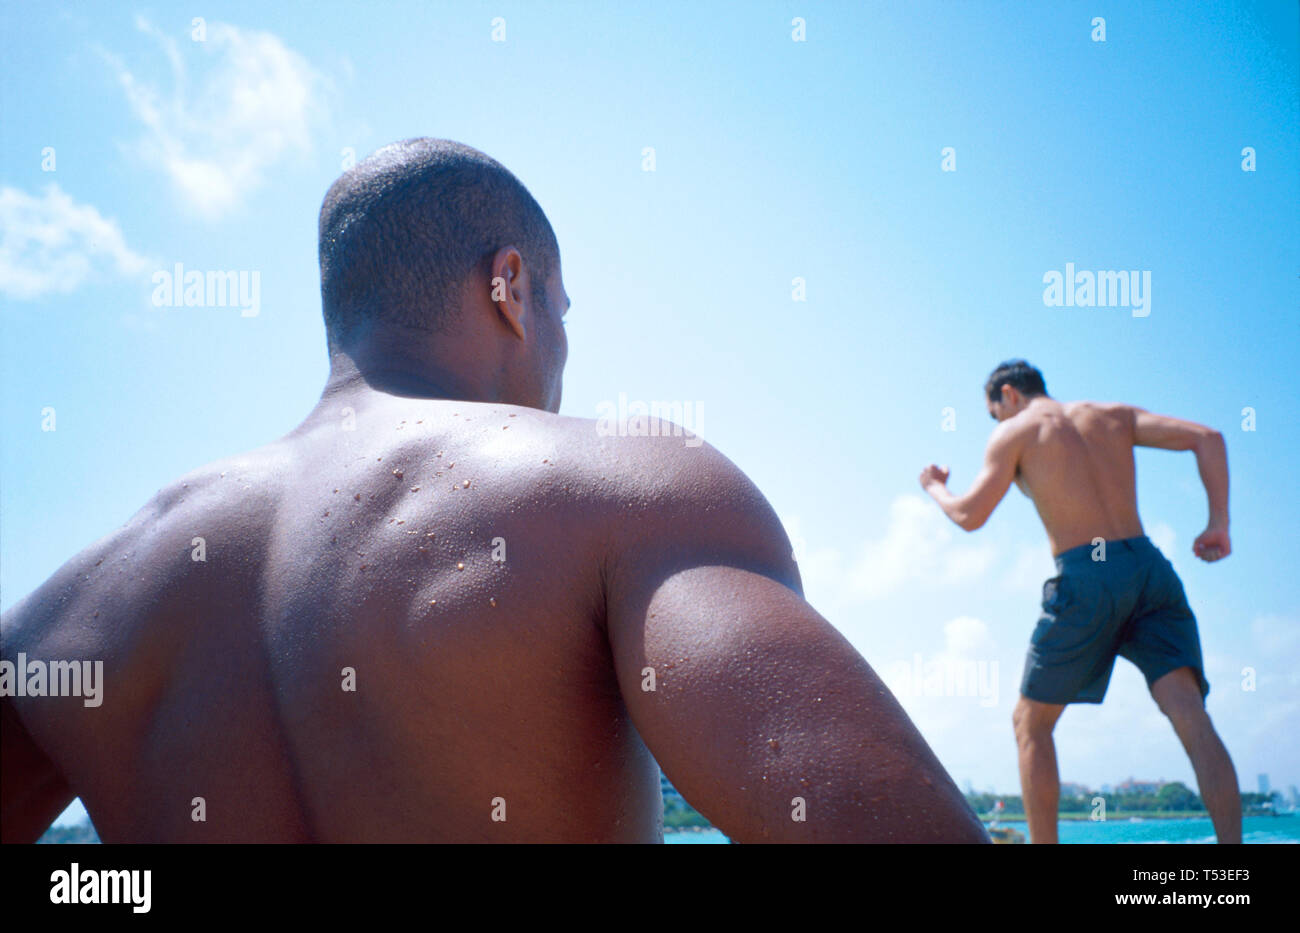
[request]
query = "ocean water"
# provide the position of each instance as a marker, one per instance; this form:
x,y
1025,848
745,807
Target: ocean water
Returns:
x,y
1255,829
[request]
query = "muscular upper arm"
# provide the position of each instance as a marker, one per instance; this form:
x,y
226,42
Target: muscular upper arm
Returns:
x,y
32,791
1151,430
1001,459
50,623
757,709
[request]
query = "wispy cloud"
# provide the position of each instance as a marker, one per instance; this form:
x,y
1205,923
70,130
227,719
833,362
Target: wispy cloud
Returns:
x,y
52,243
240,102
918,547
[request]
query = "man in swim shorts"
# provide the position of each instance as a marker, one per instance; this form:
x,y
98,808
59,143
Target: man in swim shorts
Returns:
x,y
1114,593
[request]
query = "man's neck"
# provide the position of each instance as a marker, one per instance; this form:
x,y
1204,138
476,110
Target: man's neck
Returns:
x,y
349,380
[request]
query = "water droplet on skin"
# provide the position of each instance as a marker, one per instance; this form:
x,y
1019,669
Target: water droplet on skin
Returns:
x,y
460,566
357,497
327,511
336,490
773,744
429,535
401,521
433,602
415,489
492,603
397,473
465,484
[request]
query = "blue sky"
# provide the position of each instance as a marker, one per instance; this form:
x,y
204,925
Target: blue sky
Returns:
x,y
774,160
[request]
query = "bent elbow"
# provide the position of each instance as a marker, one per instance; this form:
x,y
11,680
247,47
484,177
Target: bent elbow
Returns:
x,y
1211,439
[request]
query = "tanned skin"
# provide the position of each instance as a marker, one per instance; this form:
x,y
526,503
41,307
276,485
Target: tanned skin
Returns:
x,y
1075,461
518,683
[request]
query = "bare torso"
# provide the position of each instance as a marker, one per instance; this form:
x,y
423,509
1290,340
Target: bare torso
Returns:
x,y
483,687
1076,464
527,611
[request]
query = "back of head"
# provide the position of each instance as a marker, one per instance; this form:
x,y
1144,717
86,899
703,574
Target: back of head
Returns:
x,y
405,231
1018,374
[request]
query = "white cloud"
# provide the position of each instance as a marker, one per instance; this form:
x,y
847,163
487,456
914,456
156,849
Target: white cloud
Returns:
x,y
1033,565
917,546
53,244
966,637
251,104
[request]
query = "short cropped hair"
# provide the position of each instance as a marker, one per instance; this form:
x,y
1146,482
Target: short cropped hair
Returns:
x,y
402,233
1018,374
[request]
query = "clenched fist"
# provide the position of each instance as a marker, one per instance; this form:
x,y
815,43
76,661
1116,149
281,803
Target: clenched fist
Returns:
x,y
1212,544
934,474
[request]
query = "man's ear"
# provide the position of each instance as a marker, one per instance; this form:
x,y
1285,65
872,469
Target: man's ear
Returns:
x,y
508,289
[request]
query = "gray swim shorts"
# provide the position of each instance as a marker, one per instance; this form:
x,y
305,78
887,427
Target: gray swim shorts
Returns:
x,y
1131,604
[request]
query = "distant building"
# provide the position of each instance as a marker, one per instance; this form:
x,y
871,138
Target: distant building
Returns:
x,y
1132,786
1263,784
1071,789
1107,789
1293,797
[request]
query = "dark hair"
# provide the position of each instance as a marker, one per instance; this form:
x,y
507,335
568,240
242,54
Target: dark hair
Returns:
x,y
1017,374
403,231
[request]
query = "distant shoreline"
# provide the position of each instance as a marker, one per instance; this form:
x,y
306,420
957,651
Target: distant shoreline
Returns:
x,y
1126,815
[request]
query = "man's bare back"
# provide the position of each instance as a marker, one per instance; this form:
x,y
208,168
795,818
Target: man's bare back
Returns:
x,y
1074,460
1076,464
483,686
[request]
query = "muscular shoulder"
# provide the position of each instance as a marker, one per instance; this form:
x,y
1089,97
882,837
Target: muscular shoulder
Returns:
x,y
674,498
1112,416
129,567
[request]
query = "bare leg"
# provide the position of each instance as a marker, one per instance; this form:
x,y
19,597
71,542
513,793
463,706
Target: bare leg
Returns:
x,y
1040,785
1179,697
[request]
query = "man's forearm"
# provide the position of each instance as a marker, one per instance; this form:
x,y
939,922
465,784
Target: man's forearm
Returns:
x,y
952,505
1212,461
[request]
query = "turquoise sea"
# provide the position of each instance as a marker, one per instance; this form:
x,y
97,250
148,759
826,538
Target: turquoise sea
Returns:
x,y
1255,829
